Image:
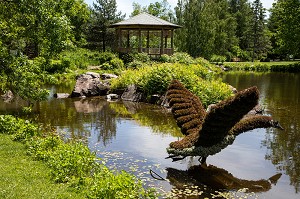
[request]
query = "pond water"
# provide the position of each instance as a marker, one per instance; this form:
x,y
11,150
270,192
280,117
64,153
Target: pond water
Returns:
x,y
134,137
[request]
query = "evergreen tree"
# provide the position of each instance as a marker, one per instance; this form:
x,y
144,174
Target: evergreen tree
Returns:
x,y
261,42
104,13
208,27
241,10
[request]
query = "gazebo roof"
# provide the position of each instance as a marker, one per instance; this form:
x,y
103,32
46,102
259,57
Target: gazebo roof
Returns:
x,y
145,19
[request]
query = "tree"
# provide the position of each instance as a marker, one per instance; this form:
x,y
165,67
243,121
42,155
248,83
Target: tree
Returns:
x,y
284,23
159,9
104,13
44,27
261,42
208,27
242,12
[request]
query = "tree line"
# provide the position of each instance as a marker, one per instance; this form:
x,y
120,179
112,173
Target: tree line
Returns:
x,y
231,28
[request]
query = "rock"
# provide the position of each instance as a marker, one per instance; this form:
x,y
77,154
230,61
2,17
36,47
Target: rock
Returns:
x,y
61,95
89,84
233,89
8,96
108,76
132,93
112,97
93,75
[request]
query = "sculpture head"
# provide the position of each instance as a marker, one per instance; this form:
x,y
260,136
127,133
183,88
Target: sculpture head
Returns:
x,y
276,124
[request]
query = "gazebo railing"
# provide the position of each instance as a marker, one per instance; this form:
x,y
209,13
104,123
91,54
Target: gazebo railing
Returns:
x,y
150,51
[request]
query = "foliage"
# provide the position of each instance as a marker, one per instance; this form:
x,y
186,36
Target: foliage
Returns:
x,y
156,78
42,28
21,130
264,67
159,9
284,21
218,59
208,28
142,57
104,13
22,177
259,32
20,76
73,162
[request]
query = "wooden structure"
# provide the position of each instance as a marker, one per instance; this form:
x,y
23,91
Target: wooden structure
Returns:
x,y
145,33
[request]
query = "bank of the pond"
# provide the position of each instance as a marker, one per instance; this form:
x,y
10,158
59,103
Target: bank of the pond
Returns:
x,y
75,169
291,66
22,177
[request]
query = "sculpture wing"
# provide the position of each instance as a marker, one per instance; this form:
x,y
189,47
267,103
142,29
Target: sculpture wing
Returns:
x,y
254,122
224,115
187,108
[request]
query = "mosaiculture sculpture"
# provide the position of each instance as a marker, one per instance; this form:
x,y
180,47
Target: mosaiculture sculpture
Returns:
x,y
207,133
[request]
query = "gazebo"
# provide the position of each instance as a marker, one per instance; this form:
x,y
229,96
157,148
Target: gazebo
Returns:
x,y
145,33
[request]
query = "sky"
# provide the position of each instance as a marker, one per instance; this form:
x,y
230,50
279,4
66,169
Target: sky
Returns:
x,y
125,6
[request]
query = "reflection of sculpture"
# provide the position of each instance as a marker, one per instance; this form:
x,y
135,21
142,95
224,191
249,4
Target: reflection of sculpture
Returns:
x,y
207,133
217,178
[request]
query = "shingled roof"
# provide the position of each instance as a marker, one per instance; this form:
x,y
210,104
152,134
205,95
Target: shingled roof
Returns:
x,y
145,19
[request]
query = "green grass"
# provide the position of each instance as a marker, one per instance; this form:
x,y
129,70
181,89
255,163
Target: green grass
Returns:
x,y
21,177
285,66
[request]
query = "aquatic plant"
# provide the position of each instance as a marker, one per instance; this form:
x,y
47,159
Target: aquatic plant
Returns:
x,y
209,132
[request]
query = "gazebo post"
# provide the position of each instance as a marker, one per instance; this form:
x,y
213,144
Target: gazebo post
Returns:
x,y
172,41
162,42
148,41
128,41
140,41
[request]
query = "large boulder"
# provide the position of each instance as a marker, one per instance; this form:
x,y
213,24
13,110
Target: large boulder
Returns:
x,y
90,84
133,93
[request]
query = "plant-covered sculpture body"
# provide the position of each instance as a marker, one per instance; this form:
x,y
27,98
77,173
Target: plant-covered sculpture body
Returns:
x,y
207,133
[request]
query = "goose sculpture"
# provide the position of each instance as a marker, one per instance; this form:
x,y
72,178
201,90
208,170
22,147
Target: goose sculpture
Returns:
x,y
207,133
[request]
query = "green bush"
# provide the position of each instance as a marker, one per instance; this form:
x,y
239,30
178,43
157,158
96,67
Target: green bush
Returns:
x,y
164,58
156,78
21,130
183,58
70,161
218,59
106,57
117,186
142,57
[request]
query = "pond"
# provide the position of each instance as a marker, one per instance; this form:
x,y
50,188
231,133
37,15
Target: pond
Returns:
x,y
134,137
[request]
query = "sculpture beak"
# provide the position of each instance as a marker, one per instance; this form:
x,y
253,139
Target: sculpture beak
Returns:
x,y
279,126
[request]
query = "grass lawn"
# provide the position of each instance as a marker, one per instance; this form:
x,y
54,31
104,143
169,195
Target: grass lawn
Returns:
x,y
21,177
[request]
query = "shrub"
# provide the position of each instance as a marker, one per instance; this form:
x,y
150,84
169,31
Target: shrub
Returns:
x,y
142,57
21,130
117,63
218,59
180,57
117,186
106,57
164,58
155,80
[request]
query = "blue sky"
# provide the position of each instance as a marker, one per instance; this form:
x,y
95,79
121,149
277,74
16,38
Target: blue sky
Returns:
x,y
126,5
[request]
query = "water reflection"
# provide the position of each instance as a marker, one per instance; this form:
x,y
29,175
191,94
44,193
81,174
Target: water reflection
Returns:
x,y
280,95
218,178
